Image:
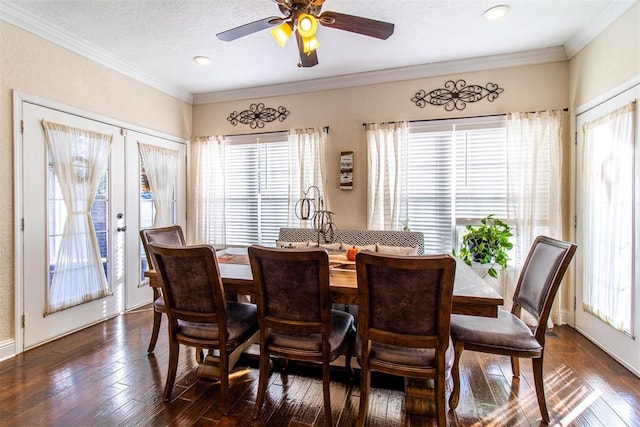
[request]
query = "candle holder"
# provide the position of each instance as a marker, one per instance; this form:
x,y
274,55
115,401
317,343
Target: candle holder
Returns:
x,y
309,208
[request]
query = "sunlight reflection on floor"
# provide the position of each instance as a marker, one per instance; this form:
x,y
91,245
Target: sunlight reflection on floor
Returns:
x,y
566,398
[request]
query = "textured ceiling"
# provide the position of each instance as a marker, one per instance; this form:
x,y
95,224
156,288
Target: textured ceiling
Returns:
x,y
155,40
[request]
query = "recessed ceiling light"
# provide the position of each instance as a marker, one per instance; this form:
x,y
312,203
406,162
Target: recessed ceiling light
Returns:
x,y
202,60
496,12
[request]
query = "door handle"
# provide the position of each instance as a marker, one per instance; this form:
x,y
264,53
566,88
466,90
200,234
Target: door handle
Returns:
x,y
122,228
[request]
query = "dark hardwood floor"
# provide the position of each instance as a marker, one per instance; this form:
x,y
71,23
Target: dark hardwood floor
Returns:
x,y
103,376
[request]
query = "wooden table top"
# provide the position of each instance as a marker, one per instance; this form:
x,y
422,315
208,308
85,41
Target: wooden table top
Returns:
x,y
471,294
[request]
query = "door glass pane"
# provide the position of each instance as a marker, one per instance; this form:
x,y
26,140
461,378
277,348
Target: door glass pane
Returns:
x,y
147,214
57,216
608,176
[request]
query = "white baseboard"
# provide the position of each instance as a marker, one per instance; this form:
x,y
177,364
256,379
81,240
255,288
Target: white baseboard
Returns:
x,y
566,317
7,349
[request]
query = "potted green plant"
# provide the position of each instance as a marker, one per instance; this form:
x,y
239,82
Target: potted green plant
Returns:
x,y
487,243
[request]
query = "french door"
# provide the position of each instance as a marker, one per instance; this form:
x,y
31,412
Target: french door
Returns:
x,y
120,208
608,226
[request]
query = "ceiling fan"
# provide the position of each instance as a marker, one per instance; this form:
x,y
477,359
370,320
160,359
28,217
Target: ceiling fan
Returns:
x,y
301,18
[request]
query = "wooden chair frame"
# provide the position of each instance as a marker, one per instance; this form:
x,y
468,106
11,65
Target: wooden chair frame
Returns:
x,y
268,322
167,235
445,265
540,313
229,353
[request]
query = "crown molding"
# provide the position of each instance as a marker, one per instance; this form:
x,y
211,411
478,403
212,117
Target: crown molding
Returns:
x,y
539,56
584,36
19,17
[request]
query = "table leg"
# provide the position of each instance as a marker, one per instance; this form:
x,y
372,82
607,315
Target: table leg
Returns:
x,y
419,397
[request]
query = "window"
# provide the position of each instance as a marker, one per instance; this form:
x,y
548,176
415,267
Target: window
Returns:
x,y
257,176
245,187
457,175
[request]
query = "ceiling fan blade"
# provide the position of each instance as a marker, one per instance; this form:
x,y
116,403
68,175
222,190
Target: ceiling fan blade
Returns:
x,y
306,60
357,24
250,28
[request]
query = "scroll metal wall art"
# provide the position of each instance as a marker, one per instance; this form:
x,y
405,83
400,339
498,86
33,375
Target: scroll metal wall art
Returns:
x,y
257,115
456,95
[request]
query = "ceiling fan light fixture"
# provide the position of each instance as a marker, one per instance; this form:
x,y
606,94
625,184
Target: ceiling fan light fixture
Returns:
x,y
202,60
281,33
307,25
496,12
310,44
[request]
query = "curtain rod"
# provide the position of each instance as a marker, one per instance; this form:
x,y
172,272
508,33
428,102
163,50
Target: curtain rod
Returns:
x,y
466,117
326,129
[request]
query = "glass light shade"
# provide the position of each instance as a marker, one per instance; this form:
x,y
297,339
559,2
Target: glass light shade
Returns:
x,y
202,60
281,33
307,25
496,12
310,44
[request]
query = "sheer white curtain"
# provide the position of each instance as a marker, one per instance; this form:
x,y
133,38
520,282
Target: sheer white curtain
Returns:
x,y
79,160
161,166
387,175
534,166
608,174
307,167
206,220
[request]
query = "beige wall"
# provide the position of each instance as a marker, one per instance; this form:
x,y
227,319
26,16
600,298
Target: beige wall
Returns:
x,y
530,88
34,66
608,61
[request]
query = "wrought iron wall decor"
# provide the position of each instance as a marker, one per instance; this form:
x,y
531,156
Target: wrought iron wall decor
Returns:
x,y
257,115
456,95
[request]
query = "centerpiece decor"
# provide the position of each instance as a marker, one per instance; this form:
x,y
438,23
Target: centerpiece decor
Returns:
x,y
487,243
309,208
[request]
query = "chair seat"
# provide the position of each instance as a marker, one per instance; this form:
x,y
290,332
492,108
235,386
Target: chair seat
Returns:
x,y
242,322
505,333
341,328
411,357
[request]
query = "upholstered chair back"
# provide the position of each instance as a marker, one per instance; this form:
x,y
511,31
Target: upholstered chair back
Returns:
x,y
190,281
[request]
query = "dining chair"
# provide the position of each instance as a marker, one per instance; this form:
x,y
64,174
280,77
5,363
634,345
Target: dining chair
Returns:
x,y
507,334
199,315
295,315
403,329
171,235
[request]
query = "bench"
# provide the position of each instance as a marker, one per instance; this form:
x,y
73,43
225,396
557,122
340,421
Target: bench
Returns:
x,y
352,237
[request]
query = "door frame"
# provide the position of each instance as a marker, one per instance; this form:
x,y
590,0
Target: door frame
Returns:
x,y
18,157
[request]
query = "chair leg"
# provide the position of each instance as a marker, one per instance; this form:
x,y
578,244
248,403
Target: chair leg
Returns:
x,y
262,381
224,381
538,378
365,381
440,386
515,367
157,318
348,355
455,373
326,392
174,352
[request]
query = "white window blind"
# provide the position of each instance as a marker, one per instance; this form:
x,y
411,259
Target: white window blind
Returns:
x,y
457,175
257,186
481,170
431,186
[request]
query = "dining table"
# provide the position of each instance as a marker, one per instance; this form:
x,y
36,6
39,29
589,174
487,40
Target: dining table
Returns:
x,y
472,295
